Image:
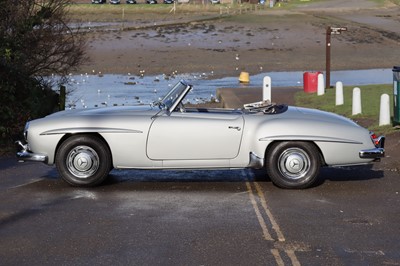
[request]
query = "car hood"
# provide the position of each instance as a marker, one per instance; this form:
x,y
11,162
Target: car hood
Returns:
x,y
104,119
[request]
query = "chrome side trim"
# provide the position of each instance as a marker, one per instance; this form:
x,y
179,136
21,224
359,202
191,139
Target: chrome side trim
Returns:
x,y
255,161
372,153
25,155
89,130
310,138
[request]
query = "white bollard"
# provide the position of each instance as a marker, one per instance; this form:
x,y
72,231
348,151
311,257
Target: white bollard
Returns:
x,y
320,84
356,101
339,93
384,114
267,88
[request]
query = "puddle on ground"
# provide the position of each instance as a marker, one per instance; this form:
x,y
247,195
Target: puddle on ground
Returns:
x,y
89,90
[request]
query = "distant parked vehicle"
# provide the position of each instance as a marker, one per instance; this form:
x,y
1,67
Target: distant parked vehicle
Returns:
x,y
98,1
131,1
168,1
215,1
115,2
151,1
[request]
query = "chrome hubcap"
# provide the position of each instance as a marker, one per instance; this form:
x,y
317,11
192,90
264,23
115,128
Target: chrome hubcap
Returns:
x,y
294,163
82,161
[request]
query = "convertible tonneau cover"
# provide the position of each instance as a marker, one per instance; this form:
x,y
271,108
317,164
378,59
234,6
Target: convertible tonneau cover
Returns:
x,y
266,107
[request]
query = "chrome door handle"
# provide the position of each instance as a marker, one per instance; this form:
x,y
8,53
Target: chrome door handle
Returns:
x,y
237,128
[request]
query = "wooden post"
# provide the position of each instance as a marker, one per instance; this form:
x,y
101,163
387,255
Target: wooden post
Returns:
x,y
329,32
328,58
123,18
62,97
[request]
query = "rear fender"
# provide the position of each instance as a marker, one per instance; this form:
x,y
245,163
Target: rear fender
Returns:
x,y
337,143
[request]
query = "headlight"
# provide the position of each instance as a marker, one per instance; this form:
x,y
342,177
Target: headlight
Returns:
x,y
26,131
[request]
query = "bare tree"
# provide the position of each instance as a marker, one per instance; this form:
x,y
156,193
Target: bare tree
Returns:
x,y
37,39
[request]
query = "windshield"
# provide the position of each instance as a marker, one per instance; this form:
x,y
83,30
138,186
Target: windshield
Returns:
x,y
174,95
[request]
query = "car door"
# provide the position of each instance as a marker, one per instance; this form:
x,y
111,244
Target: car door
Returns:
x,y
195,136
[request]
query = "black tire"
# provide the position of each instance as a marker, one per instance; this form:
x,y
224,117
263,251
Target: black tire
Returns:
x,y
83,160
293,165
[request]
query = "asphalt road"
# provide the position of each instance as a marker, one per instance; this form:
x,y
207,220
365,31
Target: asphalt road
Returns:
x,y
238,217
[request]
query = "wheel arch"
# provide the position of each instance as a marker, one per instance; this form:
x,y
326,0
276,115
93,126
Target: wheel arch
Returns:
x,y
69,135
275,142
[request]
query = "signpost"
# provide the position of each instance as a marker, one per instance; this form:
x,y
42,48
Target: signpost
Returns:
x,y
329,32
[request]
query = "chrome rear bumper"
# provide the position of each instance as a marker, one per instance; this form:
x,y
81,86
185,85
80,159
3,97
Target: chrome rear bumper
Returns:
x,y
375,153
372,153
25,155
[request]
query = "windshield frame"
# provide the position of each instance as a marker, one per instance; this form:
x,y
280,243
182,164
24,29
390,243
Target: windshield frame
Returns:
x,y
175,96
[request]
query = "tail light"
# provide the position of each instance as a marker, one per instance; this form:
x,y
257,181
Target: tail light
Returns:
x,y
379,142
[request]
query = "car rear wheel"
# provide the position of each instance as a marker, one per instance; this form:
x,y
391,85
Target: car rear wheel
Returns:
x,y
83,160
293,164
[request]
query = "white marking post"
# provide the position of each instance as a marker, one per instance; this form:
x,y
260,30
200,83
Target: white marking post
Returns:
x,y
320,90
384,114
356,101
267,88
339,93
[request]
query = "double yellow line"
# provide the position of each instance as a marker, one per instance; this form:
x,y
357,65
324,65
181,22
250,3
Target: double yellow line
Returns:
x,y
262,211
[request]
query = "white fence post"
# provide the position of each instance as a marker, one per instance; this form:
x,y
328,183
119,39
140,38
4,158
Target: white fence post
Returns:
x,y
320,90
384,114
356,101
267,88
339,93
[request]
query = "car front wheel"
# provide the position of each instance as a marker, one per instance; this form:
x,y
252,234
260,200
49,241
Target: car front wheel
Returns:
x,y
83,160
293,164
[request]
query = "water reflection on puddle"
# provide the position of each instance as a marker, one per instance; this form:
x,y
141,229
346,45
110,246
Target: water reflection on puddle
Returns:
x,y
87,90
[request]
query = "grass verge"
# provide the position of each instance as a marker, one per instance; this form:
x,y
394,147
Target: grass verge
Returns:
x,y
370,102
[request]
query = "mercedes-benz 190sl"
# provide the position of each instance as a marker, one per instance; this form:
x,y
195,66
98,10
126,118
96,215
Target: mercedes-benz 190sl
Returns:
x,y
291,143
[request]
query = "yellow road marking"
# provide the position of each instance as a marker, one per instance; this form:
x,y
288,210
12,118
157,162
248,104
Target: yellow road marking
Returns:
x,y
261,221
292,256
277,257
275,227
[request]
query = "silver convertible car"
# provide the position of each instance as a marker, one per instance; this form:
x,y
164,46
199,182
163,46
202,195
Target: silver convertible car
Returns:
x,y
291,143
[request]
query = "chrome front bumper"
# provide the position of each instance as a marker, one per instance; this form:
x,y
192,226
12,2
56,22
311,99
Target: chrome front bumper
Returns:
x,y
375,153
25,155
